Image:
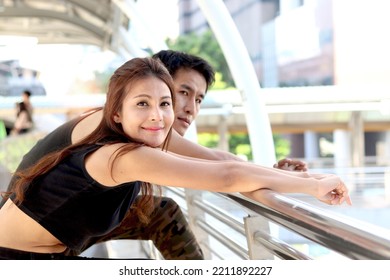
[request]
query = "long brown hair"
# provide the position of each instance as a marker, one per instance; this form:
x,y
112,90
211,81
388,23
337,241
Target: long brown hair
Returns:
x,y
108,131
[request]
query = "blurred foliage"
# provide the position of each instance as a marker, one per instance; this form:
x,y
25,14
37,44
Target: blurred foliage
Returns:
x,y
13,148
282,147
205,46
239,144
208,139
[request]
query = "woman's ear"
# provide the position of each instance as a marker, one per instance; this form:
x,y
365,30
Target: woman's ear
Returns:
x,y
117,118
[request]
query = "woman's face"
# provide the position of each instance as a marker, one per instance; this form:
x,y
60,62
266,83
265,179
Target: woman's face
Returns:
x,y
147,112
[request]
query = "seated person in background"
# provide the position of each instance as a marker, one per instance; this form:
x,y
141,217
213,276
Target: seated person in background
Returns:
x,y
23,122
24,110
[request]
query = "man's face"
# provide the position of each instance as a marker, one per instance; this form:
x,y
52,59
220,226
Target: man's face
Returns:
x,y
190,89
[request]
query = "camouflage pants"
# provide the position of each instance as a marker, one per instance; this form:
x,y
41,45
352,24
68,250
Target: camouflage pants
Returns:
x,y
168,229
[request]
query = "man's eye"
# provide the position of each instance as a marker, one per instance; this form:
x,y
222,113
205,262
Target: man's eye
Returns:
x,y
199,101
184,93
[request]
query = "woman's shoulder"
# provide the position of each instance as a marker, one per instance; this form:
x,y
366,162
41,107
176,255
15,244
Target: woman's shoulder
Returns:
x,y
86,124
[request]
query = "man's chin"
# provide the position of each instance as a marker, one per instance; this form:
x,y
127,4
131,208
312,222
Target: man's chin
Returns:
x,y
181,130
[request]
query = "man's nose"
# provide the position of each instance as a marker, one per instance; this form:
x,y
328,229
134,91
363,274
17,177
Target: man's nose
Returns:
x,y
190,107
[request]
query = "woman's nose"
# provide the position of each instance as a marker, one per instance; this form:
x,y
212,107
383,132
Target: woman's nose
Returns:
x,y
156,115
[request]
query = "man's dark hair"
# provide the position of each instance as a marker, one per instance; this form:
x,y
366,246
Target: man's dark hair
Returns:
x,y
175,60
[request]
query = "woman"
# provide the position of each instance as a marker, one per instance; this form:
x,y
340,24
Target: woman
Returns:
x,y
84,191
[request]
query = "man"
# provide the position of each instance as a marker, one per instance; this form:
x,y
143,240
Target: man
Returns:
x,y
167,226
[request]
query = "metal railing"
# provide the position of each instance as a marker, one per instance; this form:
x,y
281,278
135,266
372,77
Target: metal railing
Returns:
x,y
344,235
347,236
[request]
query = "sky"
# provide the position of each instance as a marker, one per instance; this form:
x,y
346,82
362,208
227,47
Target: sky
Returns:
x,y
162,15
60,65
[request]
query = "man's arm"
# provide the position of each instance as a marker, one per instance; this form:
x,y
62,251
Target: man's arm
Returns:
x,y
180,145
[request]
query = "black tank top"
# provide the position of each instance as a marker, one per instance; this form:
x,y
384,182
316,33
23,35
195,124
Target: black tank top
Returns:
x,y
55,140
72,206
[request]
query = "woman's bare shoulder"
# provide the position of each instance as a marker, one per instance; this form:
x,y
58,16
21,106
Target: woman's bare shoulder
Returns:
x,y
86,125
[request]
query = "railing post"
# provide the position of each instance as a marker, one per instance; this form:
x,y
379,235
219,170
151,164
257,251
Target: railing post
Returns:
x,y
195,214
254,224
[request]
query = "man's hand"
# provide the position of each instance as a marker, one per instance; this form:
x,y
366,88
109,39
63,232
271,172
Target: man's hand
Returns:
x,y
291,165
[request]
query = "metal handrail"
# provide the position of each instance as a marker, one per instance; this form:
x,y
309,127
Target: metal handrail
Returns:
x,y
228,242
347,236
278,247
220,215
351,238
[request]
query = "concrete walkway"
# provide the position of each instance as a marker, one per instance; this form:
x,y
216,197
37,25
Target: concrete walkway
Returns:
x,y
117,249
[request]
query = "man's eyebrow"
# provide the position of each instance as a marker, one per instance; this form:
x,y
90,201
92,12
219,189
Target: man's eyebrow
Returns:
x,y
187,87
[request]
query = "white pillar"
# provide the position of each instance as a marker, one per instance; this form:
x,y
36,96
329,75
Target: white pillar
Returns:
x,y
386,160
223,133
387,147
312,151
342,148
356,127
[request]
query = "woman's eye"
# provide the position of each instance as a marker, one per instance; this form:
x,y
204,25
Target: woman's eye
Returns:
x,y
165,104
142,104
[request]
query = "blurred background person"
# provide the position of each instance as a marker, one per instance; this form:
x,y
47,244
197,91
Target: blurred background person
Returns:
x,y
24,112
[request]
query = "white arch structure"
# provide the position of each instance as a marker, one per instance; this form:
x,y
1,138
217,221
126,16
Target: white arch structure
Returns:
x,y
245,78
103,23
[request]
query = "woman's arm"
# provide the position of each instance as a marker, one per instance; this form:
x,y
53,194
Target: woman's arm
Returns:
x,y
154,166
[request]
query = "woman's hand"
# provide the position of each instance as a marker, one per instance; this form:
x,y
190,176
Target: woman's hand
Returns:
x,y
332,190
291,165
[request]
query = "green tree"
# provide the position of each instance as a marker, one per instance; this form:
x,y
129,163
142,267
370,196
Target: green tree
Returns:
x,y
239,144
282,146
208,139
207,47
